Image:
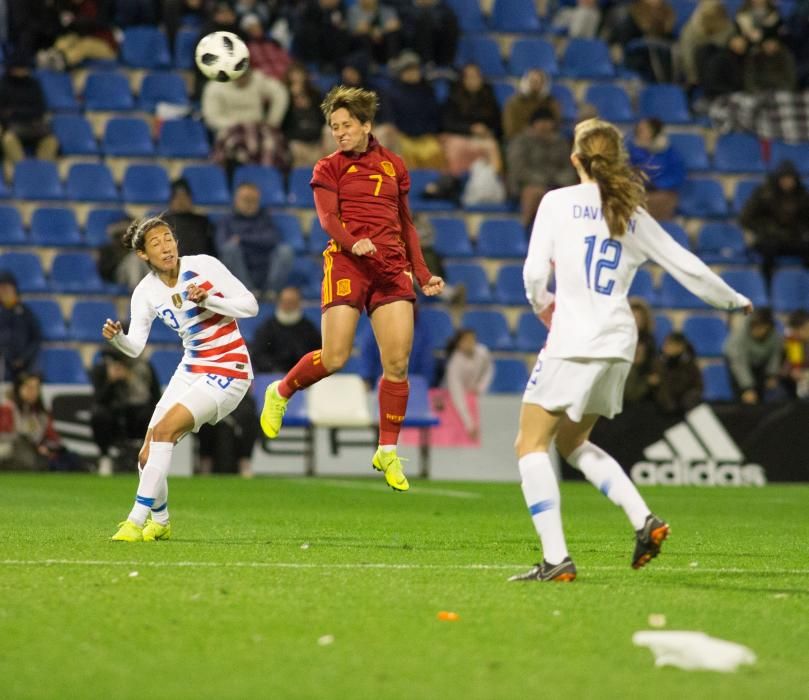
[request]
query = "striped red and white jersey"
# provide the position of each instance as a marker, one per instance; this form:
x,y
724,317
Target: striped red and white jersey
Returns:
x,y
210,334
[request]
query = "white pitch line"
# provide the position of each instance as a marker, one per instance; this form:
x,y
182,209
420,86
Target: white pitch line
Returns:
x,y
451,493
368,565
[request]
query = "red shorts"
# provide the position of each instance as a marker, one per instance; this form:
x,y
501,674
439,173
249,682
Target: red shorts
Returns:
x,y
349,279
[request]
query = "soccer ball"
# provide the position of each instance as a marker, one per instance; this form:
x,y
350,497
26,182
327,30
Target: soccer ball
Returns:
x,y
222,56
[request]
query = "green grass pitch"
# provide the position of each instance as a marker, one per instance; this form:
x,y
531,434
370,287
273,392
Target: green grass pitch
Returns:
x,y
260,571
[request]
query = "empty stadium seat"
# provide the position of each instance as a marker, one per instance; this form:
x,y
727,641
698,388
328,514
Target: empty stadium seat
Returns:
x,y
790,290
515,16
184,45
587,59
501,238
665,102
473,278
98,221
451,238
490,327
716,383
11,229
738,153
567,103
145,184
290,229
440,324
306,275
509,287
87,319
691,148
531,333
49,315
145,47
58,90
643,286
37,179
62,366
532,53
744,188
27,270
300,192
707,334
510,377
750,283
673,295
484,52
55,226
129,137
611,102
502,92
702,198
75,273
677,232
108,91
162,333
165,362
267,179
183,138
798,153
209,186
75,135
162,87
91,182
318,238
419,179
722,243
663,326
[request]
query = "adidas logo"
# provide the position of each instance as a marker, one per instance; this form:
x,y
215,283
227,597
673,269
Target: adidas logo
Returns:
x,y
696,452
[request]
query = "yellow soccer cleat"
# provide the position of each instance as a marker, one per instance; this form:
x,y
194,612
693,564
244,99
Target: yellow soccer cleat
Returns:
x,y
272,415
128,532
155,531
391,465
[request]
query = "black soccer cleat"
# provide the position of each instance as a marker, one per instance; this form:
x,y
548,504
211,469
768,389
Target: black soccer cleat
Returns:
x,y
565,572
648,540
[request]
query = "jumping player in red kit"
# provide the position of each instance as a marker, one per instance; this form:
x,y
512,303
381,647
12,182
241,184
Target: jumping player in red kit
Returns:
x,y
370,263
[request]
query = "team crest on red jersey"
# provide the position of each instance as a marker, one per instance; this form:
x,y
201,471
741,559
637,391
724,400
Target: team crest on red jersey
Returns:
x,y
388,168
343,287
177,300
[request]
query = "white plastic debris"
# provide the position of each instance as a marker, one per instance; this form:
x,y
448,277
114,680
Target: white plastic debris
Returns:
x,y
133,574
325,640
656,620
694,651
305,545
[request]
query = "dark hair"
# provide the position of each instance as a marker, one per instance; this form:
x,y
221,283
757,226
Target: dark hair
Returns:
x,y
180,184
19,380
543,113
135,236
452,345
360,103
762,317
797,318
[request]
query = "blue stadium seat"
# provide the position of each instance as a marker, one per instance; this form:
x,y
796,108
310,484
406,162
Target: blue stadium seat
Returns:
x,y
691,148
87,319
484,52
209,186
750,283
532,53
683,9
75,273
451,238
58,90
145,184
707,334
440,324
716,383
249,326
531,333
184,45
162,333
91,182
509,287
790,290
307,275
267,179
501,238
165,362
162,87
490,327
611,102
290,229
318,238
98,221
300,192
108,91
665,102
145,47
677,232
474,280
11,228
702,198
567,103
738,153
55,226
587,59
419,179
798,153
510,377
643,286
744,188
37,179
663,326
75,135
62,366
128,137
673,295
49,315
515,16
469,15
502,91
183,138
27,270
722,243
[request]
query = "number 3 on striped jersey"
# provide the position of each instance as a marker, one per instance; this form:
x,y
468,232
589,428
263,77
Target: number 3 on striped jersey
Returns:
x,y
378,187
611,252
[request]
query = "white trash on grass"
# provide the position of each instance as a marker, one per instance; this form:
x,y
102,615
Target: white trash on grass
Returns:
x,y
694,651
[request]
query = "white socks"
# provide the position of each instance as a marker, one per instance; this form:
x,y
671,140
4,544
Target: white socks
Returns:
x,y
541,492
152,478
603,472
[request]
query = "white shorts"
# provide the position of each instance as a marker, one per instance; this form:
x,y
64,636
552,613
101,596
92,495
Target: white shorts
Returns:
x,y
578,387
209,397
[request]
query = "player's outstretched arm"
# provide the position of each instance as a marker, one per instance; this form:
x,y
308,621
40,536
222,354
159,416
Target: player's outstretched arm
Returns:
x,y
140,322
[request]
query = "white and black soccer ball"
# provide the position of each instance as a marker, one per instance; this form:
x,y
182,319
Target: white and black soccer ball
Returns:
x,y
222,56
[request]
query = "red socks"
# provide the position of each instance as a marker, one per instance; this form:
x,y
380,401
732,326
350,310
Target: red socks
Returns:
x,y
392,407
308,371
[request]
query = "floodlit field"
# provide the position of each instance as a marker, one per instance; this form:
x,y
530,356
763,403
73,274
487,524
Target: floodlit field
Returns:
x,y
262,575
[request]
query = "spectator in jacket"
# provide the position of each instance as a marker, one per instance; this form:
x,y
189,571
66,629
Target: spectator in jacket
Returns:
x,y
322,35
85,33
469,369
266,55
676,379
533,93
580,21
303,125
652,21
283,339
706,33
754,353
20,334
431,30
194,232
757,21
796,355
118,263
642,379
770,66
251,246
375,29
651,151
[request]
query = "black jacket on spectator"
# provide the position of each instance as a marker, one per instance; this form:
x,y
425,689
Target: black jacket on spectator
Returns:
x,y
21,101
20,339
277,348
464,108
414,108
195,233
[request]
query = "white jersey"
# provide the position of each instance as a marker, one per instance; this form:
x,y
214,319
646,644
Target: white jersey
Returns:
x,y
593,273
209,332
